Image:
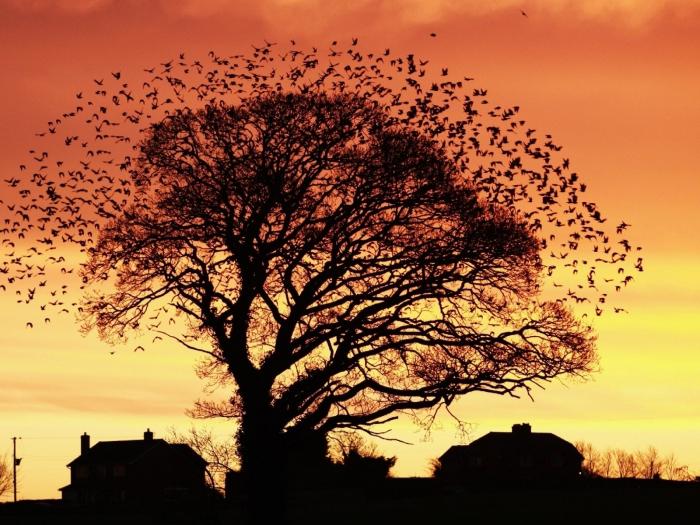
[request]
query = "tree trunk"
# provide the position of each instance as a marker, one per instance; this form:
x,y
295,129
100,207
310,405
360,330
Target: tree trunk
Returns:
x,y
263,462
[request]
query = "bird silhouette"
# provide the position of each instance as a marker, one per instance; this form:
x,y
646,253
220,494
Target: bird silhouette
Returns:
x,y
508,162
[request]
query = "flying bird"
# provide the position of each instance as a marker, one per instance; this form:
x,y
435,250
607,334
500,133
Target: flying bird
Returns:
x,y
66,194
621,227
523,13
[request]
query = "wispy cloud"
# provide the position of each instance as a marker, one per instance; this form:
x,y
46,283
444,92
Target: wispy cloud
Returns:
x,y
37,398
627,12
76,6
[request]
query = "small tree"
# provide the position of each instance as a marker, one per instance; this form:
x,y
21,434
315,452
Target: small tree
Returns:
x,y
5,476
591,465
674,471
650,464
220,455
646,464
358,461
606,464
625,464
435,468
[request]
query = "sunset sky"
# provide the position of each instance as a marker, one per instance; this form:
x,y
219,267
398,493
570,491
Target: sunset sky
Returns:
x,y
616,82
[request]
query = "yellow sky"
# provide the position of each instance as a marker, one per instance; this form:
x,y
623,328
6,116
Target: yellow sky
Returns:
x,y
615,82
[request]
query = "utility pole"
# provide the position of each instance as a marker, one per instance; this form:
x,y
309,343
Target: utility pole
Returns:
x,y
15,463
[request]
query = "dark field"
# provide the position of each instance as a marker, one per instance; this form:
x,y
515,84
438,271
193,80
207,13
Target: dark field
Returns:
x,y
414,501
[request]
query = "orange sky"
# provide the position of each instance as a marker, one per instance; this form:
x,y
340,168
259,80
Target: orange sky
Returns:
x,y
617,86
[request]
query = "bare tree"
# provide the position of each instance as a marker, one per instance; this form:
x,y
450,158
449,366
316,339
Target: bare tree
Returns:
x,y
591,464
344,444
606,464
625,464
671,469
358,460
650,464
220,455
341,249
646,464
5,476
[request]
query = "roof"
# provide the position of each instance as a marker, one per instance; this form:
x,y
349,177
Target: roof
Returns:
x,y
129,451
531,441
187,450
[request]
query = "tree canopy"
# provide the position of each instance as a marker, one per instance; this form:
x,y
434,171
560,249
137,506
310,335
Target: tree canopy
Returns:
x,y
336,260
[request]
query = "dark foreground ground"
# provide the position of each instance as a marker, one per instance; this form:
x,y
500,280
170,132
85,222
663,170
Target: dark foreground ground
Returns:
x,y
413,501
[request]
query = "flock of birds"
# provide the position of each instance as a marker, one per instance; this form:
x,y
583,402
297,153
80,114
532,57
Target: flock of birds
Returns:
x,y
82,174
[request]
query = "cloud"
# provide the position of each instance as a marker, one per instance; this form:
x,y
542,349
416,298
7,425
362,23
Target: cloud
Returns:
x,y
628,12
28,398
629,9
71,6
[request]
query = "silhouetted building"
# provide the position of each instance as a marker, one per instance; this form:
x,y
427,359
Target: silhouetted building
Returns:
x,y
134,471
520,455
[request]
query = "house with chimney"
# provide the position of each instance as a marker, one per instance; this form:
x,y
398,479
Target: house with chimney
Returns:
x,y
134,471
519,455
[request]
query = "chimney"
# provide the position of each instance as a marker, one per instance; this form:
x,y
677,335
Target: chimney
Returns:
x,y
148,435
522,428
84,443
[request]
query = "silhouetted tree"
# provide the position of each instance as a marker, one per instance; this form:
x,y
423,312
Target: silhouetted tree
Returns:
x,y
5,476
359,468
650,464
343,242
590,466
358,461
625,464
596,463
341,265
220,455
674,471
435,468
606,463
645,464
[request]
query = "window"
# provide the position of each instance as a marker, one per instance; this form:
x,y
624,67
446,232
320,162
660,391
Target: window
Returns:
x,y
119,471
82,472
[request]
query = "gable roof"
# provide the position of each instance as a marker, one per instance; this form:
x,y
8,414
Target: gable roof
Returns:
x,y
534,442
129,451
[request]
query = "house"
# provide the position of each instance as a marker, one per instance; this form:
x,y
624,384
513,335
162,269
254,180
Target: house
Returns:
x,y
519,455
134,471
